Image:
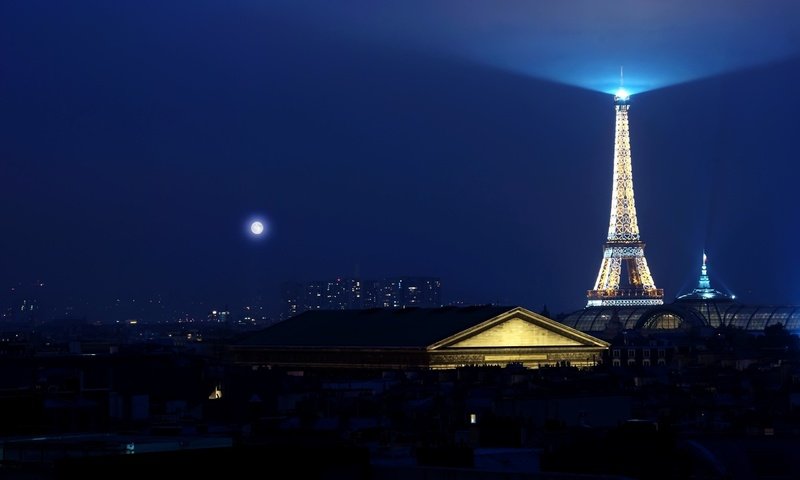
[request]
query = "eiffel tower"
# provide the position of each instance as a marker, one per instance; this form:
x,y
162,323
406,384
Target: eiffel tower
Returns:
x,y
623,252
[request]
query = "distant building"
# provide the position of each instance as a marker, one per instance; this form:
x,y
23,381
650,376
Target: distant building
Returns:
x,y
355,294
639,351
23,302
337,294
446,337
293,296
219,316
405,292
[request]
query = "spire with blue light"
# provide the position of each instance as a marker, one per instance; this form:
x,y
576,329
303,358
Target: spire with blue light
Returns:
x,y
704,290
621,96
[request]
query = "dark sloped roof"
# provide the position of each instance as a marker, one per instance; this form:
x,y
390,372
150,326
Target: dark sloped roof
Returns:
x,y
380,327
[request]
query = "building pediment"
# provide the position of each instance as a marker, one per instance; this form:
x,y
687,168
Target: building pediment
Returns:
x,y
518,328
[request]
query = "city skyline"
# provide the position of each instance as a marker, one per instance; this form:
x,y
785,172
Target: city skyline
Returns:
x,y
137,143
356,293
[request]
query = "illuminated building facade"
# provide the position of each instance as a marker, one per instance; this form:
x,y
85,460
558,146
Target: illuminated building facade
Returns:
x,y
623,252
429,338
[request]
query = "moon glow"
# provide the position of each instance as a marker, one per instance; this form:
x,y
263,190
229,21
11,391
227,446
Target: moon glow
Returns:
x,y
257,228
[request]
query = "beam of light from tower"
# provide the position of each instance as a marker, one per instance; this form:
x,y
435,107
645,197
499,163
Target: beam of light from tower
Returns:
x,y
579,43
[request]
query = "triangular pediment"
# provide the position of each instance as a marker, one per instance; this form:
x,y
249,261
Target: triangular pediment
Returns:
x,y
516,332
519,328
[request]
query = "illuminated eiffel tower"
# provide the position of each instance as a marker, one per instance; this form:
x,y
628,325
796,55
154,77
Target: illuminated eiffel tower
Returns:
x,y
623,248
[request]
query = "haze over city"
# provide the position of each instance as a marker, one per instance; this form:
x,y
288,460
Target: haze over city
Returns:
x,y
470,143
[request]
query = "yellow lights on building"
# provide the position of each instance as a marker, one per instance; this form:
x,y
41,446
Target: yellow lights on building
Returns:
x,y
623,225
517,332
216,394
623,246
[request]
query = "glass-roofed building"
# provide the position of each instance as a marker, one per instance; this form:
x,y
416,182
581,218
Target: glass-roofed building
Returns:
x,y
703,307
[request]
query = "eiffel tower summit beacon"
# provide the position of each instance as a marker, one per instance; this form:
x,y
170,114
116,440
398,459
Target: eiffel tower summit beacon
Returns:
x,y
623,251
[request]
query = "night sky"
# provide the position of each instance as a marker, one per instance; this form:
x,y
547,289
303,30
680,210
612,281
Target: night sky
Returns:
x,y
472,141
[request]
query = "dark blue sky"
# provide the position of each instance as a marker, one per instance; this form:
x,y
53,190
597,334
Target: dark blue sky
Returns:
x,y
470,143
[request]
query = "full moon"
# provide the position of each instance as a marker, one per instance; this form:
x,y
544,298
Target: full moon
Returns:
x,y
257,228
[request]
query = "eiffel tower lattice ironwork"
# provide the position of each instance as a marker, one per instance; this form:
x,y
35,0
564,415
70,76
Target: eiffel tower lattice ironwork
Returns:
x,y
623,249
